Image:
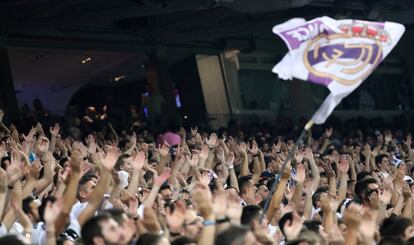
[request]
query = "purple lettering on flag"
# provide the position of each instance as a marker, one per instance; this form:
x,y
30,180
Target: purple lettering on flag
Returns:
x,y
295,36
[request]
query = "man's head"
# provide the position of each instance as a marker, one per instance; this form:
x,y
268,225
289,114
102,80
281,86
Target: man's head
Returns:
x,y
251,215
365,188
263,191
382,162
245,185
192,225
31,208
236,235
125,222
124,163
166,192
316,197
152,239
86,186
397,227
102,230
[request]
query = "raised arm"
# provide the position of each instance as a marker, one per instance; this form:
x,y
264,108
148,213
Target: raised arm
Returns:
x,y
343,179
54,132
69,195
137,163
108,163
314,169
232,174
158,182
279,193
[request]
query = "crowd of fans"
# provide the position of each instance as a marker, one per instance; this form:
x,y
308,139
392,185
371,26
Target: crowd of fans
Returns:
x,y
106,186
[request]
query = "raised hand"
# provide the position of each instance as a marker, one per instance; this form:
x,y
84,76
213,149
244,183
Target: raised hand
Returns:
x,y
343,165
14,169
298,156
219,204
220,155
1,115
175,218
52,211
55,129
110,158
194,131
230,159
352,217
211,142
204,152
76,161
91,144
243,147
43,144
35,169
328,132
335,156
234,207
387,137
194,159
308,154
29,137
159,180
164,150
254,149
2,149
300,174
138,160
203,202
328,170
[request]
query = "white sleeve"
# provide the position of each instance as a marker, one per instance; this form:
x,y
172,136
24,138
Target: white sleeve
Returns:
x,y
140,211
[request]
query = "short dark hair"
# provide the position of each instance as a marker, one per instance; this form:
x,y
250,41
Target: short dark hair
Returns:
x,y
116,214
182,240
312,225
285,218
250,212
85,179
233,235
92,228
243,182
165,187
361,187
26,204
11,239
392,241
363,175
149,239
317,195
378,159
120,161
42,206
394,226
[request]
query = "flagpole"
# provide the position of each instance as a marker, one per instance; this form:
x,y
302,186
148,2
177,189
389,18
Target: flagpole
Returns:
x,y
307,127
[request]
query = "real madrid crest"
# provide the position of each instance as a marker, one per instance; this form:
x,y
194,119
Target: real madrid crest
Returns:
x,y
347,57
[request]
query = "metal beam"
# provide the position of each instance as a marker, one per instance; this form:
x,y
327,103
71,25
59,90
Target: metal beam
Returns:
x,y
102,45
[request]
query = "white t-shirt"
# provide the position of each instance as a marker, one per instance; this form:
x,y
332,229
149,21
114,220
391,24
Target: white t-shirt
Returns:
x,y
77,210
39,233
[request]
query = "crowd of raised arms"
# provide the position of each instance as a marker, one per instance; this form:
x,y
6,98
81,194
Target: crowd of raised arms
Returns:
x,y
192,187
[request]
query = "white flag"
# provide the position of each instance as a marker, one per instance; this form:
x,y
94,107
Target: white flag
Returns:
x,y
338,54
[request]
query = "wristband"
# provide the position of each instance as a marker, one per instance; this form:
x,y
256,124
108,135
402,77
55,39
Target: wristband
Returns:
x,y
208,222
10,187
230,167
222,220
